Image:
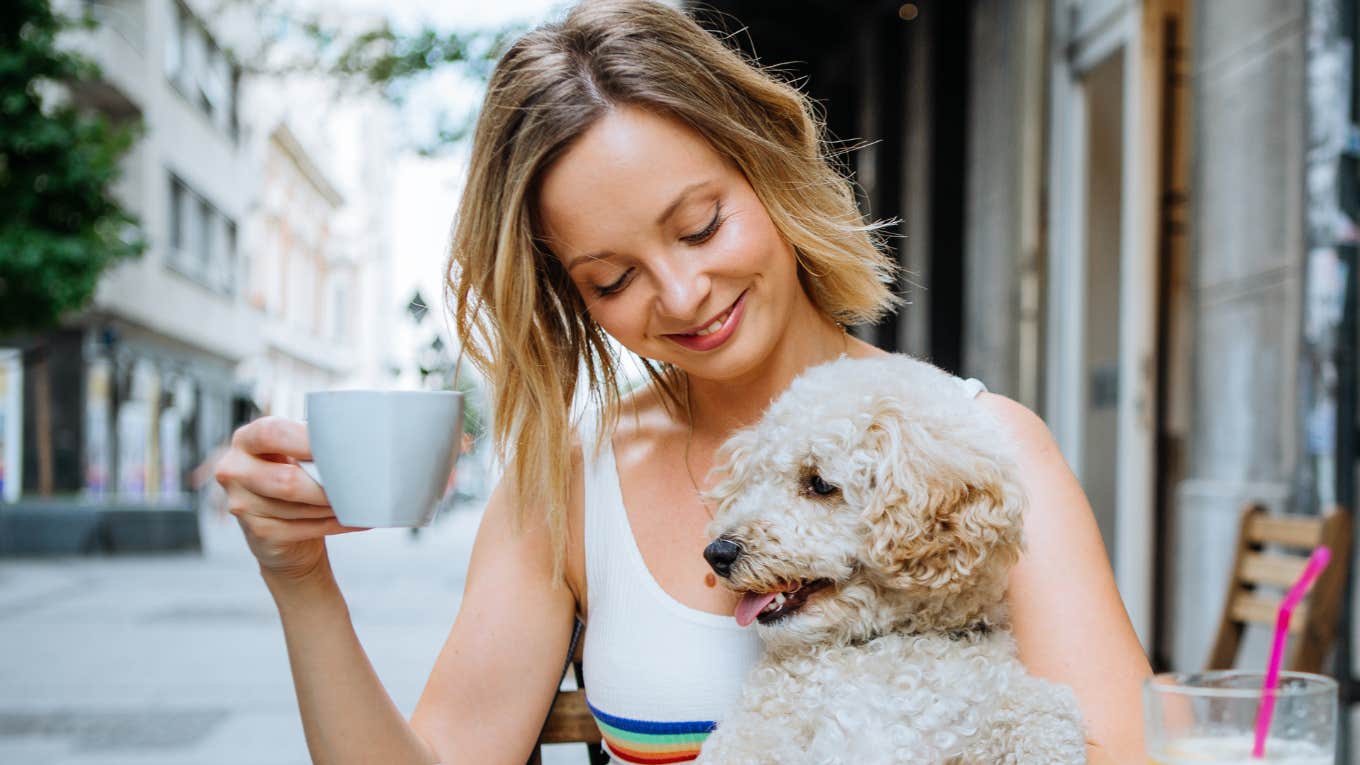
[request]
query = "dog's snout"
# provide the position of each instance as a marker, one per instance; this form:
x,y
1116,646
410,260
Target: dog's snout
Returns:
x,y
721,554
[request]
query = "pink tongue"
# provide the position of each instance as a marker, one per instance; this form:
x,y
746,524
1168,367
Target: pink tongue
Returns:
x,y
752,603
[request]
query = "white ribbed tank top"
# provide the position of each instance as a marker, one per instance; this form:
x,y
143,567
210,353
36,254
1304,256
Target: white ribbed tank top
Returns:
x,y
658,674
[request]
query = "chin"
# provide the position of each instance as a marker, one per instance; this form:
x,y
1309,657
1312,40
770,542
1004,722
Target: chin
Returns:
x,y
746,354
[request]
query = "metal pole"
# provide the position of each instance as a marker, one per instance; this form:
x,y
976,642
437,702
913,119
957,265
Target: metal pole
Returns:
x,y
1346,446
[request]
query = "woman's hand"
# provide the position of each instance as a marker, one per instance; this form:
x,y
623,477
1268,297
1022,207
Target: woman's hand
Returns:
x,y
285,516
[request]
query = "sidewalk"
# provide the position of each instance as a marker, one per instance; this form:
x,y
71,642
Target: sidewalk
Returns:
x,y
180,659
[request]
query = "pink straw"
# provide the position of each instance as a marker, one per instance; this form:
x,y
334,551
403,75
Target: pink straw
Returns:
x,y
1316,562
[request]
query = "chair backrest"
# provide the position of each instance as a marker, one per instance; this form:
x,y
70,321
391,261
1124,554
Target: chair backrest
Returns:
x,y
1271,553
569,720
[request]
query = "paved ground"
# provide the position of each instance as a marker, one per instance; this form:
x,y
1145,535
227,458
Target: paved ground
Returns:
x,y
179,659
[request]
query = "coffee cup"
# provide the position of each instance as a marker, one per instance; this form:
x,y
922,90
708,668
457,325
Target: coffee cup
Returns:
x,y
383,457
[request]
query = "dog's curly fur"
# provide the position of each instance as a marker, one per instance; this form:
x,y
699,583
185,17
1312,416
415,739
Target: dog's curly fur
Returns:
x,y
882,477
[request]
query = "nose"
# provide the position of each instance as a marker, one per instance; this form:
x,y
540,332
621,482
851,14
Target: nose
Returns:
x,y
721,554
684,290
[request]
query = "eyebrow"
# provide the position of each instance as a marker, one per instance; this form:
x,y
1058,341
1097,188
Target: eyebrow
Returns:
x,y
660,219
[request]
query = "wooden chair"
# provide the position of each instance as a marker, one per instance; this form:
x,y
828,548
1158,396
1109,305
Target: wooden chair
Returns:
x,y
569,719
1271,553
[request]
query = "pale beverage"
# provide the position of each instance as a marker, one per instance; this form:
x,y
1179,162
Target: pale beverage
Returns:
x,y
1236,750
1210,718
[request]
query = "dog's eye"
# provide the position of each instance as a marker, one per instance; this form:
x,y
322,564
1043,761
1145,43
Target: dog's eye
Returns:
x,y
821,488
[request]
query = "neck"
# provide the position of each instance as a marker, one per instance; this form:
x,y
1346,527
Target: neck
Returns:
x,y
721,406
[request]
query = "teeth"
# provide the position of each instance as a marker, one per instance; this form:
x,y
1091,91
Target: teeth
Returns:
x,y
714,327
779,599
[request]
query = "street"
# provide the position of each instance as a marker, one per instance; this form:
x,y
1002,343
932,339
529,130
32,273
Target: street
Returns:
x,y
180,659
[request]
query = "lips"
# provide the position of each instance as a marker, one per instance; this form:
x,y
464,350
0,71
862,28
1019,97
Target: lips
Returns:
x,y
715,331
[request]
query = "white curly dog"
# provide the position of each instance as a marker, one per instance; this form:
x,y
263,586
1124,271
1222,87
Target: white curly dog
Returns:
x,y
870,519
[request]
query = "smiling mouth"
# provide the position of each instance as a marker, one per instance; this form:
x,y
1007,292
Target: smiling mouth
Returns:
x,y
771,607
714,324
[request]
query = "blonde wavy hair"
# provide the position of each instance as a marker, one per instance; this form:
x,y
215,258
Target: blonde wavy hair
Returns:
x,y
522,321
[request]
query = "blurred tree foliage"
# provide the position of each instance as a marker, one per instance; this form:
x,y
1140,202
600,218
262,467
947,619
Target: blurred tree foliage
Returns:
x,y
371,54
61,225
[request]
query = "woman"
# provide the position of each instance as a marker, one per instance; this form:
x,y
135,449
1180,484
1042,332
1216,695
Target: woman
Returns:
x,y
631,177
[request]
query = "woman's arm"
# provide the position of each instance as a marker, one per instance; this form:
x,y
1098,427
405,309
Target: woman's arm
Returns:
x,y
347,715
1069,621
497,673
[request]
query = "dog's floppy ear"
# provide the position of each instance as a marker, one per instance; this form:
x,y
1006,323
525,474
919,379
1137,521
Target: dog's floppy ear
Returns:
x,y
944,504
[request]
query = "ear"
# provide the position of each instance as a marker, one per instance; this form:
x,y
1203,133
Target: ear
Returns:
x,y
944,507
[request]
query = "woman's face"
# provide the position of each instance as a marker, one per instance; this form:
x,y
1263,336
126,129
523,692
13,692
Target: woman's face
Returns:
x,y
674,254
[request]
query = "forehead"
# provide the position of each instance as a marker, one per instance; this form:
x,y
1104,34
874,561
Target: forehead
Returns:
x,y
619,175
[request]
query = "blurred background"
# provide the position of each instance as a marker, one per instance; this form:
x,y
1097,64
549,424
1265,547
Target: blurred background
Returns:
x,y
1137,217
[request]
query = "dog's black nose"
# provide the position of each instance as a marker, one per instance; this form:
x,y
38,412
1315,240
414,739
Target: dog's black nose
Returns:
x,y
721,554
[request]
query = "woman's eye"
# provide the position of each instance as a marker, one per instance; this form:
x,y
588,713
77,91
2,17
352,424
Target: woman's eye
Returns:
x,y
820,487
615,286
699,237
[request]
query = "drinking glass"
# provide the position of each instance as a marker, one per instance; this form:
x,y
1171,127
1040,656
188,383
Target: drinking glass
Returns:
x,y
1210,717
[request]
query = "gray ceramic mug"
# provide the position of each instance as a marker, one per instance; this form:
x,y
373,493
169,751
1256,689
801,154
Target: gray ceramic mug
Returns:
x,y
383,457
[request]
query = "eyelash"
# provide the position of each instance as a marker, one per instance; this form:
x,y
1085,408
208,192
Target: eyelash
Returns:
x,y
691,239
709,230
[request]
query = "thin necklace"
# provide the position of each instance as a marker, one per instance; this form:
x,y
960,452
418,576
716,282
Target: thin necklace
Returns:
x,y
689,436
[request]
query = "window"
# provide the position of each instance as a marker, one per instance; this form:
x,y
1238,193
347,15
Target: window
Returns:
x,y
297,285
174,45
178,217
202,240
201,71
230,270
340,311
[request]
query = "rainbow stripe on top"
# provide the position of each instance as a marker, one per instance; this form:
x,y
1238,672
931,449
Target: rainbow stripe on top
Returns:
x,y
653,743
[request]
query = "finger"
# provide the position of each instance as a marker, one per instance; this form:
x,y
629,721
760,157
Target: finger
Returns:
x,y
265,507
281,481
276,531
273,435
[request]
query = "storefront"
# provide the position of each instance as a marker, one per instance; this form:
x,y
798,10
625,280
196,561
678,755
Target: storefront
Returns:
x,y
11,423
130,415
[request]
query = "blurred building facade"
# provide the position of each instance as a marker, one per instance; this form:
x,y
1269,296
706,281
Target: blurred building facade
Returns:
x,y
299,275
319,243
255,288
1129,215
300,280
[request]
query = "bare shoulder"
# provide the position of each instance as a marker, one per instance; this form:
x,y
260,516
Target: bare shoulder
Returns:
x,y
1030,433
1059,514
645,421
